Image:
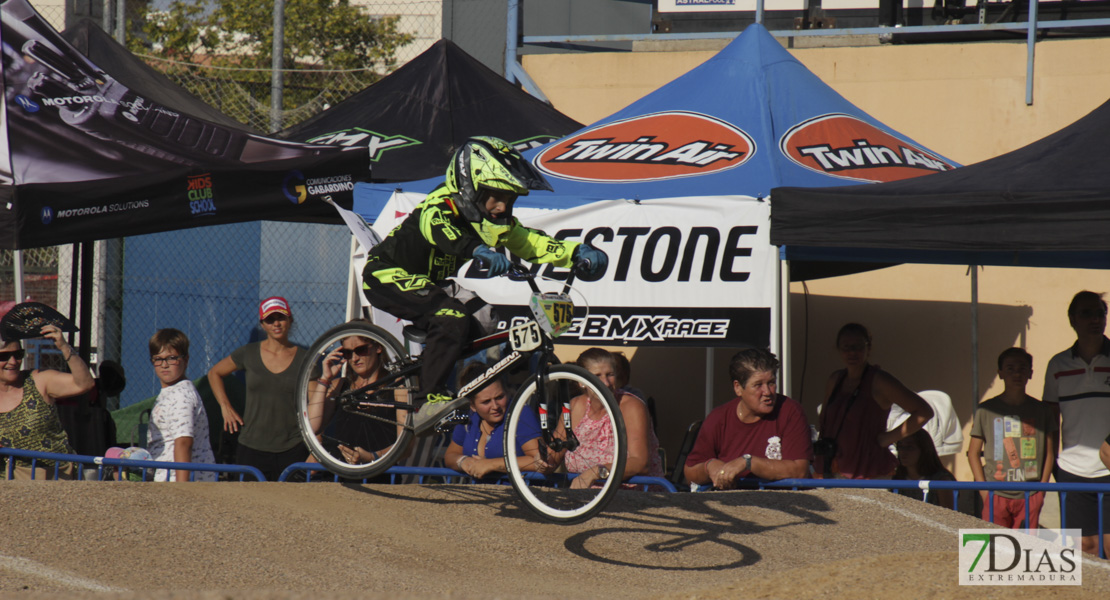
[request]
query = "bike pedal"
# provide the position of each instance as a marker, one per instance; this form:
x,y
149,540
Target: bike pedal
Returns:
x,y
456,417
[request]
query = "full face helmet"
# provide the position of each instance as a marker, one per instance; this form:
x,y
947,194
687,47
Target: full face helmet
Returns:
x,y
484,164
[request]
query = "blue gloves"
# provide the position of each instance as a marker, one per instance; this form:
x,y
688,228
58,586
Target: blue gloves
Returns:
x,y
595,260
496,262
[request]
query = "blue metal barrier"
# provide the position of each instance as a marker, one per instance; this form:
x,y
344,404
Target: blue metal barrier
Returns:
x,y
452,476
1100,489
99,462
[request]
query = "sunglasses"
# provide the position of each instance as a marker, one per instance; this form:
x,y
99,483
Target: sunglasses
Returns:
x,y
363,350
18,354
274,318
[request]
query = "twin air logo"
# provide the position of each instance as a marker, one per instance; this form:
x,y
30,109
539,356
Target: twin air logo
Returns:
x,y
378,143
844,146
665,145
199,191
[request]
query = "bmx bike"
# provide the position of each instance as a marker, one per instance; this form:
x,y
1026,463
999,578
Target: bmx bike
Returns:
x,y
383,410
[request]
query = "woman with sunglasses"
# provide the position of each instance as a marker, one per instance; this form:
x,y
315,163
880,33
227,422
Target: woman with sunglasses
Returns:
x,y
269,437
28,417
356,363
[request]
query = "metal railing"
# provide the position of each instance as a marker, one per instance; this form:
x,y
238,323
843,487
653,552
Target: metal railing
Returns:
x,y
426,474
99,463
423,474
1030,26
1100,489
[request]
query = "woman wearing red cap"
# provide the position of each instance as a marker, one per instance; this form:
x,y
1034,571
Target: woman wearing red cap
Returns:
x,y
270,439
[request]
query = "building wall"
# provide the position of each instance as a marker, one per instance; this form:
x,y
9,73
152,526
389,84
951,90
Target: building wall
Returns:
x,y
966,101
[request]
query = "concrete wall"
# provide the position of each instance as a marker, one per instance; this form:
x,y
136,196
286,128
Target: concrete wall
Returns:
x,y
966,101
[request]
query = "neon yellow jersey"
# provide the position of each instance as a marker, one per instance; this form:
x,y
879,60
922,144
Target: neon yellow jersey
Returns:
x,y
434,241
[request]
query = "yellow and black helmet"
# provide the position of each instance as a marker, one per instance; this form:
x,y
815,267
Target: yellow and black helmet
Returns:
x,y
489,163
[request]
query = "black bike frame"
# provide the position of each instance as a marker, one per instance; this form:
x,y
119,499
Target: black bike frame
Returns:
x,y
546,352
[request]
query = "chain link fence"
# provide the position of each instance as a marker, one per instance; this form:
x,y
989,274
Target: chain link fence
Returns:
x,y
208,281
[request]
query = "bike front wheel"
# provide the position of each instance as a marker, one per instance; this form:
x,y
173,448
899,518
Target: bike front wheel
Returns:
x,y
552,497
340,418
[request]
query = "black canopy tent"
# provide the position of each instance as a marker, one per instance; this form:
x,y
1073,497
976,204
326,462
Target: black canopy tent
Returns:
x,y
414,119
1047,204
85,157
105,52
1044,205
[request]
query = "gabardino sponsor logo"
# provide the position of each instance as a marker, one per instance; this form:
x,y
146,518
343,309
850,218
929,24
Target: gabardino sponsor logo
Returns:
x,y
293,187
844,146
297,188
663,145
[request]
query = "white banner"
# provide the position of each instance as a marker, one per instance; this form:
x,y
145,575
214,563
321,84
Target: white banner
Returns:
x,y
682,271
666,6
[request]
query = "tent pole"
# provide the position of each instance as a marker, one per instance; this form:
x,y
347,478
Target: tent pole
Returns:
x,y
975,335
74,277
1030,52
708,380
85,336
17,275
784,326
121,22
511,34
276,81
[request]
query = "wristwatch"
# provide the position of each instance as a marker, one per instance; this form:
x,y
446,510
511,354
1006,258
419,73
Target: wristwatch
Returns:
x,y
747,462
602,472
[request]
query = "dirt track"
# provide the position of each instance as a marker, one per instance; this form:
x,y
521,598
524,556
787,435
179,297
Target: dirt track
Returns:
x,y
288,540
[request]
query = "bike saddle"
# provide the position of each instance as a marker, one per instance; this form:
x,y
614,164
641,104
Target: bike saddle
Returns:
x,y
414,334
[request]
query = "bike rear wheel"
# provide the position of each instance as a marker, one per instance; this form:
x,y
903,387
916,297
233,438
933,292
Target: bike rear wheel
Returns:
x,y
552,498
340,416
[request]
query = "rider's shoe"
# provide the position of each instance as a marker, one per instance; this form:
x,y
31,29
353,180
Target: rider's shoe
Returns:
x,y
435,407
459,416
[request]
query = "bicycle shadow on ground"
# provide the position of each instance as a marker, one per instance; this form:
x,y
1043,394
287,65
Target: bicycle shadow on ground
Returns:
x,y
495,496
693,532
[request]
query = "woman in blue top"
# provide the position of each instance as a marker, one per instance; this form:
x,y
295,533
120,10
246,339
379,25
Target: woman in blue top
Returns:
x,y
477,447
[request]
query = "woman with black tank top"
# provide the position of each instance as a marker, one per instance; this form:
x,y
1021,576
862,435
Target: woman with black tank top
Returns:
x,y
855,443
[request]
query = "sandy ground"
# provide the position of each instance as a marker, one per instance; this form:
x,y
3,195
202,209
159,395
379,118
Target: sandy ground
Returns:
x,y
326,540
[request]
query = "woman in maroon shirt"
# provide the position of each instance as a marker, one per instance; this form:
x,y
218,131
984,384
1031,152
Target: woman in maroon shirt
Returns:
x,y
759,434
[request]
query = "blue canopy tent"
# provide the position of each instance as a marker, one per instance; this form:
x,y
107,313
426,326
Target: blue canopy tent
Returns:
x,y
780,126
750,119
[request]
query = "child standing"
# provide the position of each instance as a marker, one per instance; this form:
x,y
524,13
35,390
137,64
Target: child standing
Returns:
x,y
1017,435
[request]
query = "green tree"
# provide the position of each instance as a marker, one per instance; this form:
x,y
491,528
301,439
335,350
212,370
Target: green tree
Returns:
x,y
236,37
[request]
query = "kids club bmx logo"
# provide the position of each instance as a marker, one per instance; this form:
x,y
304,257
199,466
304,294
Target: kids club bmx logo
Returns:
x,y
663,145
1014,557
844,146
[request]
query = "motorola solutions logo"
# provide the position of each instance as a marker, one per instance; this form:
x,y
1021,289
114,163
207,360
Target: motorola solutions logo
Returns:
x,y
47,215
844,146
27,104
652,147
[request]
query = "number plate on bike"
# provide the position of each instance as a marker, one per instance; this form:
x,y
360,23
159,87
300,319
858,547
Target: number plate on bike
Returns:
x,y
525,337
554,312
